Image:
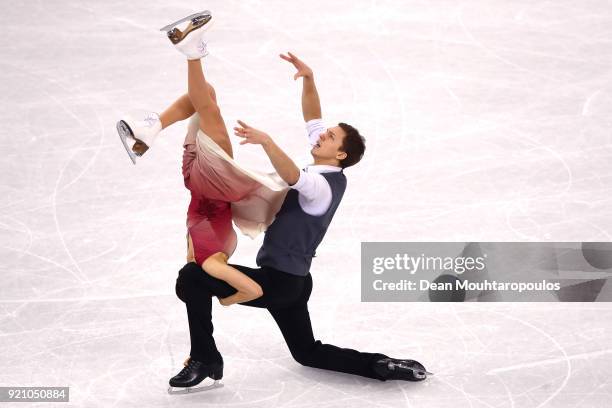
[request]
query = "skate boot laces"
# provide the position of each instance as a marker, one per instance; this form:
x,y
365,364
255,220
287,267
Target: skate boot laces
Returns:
x,y
190,366
150,119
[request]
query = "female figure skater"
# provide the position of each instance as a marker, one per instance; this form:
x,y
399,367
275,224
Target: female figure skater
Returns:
x,y
209,171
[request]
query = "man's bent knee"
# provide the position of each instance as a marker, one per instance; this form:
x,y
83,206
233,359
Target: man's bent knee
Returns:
x,y
305,356
189,273
188,276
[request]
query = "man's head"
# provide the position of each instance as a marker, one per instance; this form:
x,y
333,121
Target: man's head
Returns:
x,y
340,145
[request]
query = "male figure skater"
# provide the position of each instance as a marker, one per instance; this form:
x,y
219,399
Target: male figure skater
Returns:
x,y
285,257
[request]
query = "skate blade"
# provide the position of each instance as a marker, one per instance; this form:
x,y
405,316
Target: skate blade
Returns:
x,y
420,374
182,20
192,390
124,132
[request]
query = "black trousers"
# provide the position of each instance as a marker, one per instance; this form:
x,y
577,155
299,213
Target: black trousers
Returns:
x,y
285,297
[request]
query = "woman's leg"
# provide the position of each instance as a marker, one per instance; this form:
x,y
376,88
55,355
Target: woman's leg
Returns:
x,y
203,102
182,109
217,267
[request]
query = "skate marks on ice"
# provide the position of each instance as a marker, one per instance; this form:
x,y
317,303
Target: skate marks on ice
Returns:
x,y
516,355
411,108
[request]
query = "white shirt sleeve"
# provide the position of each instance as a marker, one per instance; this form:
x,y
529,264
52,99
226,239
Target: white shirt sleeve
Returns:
x,y
315,127
315,195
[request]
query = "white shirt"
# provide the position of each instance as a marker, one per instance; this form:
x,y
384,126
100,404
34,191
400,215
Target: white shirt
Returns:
x,y
315,195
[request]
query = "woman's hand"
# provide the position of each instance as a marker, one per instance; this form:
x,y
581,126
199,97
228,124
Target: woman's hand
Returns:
x,y
250,134
303,70
224,301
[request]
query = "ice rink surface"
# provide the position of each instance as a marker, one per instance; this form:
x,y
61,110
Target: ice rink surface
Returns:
x,y
485,121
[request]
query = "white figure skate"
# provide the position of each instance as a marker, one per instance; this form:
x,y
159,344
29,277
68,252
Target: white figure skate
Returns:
x,y
132,131
191,41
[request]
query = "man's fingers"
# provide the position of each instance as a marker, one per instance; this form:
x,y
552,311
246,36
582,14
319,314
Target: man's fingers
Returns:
x,y
292,59
244,125
289,57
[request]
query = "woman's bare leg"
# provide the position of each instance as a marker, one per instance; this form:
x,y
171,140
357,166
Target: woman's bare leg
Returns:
x,y
217,267
211,121
182,109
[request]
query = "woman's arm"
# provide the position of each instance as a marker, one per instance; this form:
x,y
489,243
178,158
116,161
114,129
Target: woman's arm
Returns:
x,y
190,254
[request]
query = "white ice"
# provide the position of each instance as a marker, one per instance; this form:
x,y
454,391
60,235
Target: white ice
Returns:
x,y
485,121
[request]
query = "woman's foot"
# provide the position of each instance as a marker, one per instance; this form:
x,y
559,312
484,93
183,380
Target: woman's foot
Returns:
x,y
176,36
191,41
142,132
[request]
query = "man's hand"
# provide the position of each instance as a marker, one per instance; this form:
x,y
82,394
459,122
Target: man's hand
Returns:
x,y
284,166
303,70
251,135
311,105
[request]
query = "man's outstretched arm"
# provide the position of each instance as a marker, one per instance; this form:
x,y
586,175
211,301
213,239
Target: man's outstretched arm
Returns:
x,y
284,166
311,104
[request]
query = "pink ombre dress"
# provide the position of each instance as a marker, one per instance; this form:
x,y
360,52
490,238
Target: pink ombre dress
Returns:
x,y
222,191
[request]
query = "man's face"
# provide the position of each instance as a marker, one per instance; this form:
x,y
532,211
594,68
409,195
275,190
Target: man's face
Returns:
x,y
329,144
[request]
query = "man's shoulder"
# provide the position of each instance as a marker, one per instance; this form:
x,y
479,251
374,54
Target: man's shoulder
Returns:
x,y
335,177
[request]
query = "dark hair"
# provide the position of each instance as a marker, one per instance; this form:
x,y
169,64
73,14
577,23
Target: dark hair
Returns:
x,y
353,145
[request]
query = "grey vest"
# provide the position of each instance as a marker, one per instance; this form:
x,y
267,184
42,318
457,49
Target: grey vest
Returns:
x,y
292,239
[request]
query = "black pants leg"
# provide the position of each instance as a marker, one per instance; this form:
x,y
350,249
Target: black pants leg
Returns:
x,y
285,297
294,323
196,288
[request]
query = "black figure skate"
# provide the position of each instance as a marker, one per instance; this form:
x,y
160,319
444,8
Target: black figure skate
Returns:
x,y
193,374
395,369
